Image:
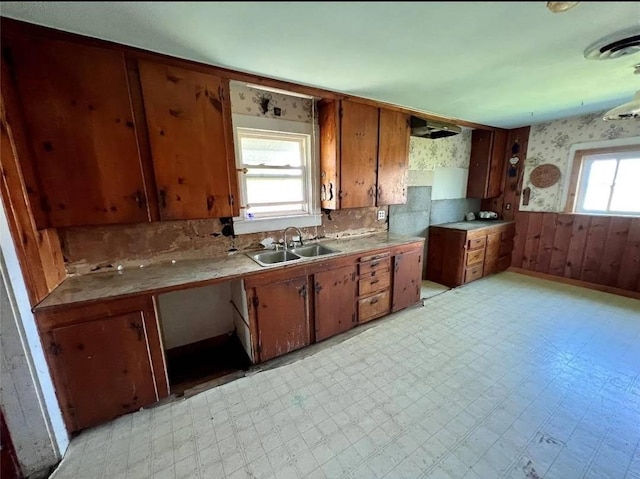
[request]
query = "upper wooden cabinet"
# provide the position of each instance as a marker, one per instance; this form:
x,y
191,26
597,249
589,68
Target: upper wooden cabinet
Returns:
x,y
188,118
487,160
81,132
363,155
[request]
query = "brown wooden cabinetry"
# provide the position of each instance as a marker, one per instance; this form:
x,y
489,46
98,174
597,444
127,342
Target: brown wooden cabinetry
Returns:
x,y
81,131
281,315
374,286
334,301
363,155
486,164
105,359
407,279
187,117
458,256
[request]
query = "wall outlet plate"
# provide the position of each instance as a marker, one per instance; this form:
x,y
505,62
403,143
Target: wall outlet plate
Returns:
x,y
381,214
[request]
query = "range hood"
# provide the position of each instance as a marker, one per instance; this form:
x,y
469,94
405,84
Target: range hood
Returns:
x,y
432,129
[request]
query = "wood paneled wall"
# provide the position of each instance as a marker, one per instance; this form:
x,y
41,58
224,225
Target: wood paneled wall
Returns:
x,y
603,250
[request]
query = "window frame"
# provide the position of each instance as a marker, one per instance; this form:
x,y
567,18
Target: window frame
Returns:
x,y
312,216
578,178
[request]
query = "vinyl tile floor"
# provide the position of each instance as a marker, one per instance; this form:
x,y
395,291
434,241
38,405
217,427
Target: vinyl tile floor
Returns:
x,y
509,376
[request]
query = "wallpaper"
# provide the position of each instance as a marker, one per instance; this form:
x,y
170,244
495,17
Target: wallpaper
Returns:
x,y
246,101
550,143
454,151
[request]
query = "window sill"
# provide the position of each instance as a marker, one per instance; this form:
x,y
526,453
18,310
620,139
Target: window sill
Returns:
x,y
260,225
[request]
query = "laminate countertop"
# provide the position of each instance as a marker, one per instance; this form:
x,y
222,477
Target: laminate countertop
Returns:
x,y
472,225
164,277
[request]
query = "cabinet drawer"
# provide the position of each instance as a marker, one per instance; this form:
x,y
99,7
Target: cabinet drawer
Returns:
x,y
374,265
475,243
373,257
472,273
475,256
373,306
372,282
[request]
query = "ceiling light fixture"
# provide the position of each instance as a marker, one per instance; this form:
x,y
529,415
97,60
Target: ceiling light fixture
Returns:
x,y
559,7
615,45
625,111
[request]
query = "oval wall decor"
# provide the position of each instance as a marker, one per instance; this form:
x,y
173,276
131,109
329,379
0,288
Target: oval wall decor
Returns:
x,y
544,176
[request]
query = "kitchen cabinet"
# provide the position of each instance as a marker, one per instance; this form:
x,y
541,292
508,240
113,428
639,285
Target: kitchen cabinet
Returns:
x,y
105,359
334,301
374,286
281,315
407,279
189,125
363,155
76,105
488,150
457,256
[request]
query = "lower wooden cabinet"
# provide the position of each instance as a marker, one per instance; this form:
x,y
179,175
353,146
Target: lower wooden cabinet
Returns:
x,y
105,360
334,301
280,311
407,279
457,256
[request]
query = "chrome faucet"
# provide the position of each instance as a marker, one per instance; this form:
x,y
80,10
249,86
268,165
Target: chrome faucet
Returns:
x,y
284,236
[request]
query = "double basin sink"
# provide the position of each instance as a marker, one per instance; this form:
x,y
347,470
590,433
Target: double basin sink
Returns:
x,y
268,258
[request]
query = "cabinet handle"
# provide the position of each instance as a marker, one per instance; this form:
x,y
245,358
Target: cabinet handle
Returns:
x,y
303,291
210,201
331,191
323,192
139,198
318,287
371,192
375,263
375,281
374,301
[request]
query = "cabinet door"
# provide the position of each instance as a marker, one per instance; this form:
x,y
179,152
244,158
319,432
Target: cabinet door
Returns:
x,y
496,164
335,301
102,368
407,279
492,254
329,119
358,155
186,120
282,315
393,157
486,164
80,125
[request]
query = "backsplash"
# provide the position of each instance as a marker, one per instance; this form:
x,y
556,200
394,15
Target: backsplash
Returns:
x,y
450,152
551,143
246,101
103,248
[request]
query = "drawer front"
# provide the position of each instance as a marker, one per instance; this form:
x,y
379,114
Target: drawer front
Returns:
x,y
374,306
476,243
372,282
373,257
475,256
472,273
374,265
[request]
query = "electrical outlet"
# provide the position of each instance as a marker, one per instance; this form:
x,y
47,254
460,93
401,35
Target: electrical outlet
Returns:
x,y
381,214
507,206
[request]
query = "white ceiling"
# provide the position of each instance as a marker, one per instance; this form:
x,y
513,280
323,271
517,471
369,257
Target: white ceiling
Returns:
x,y
505,64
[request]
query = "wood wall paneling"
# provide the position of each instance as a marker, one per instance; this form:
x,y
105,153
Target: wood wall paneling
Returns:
x,y
602,250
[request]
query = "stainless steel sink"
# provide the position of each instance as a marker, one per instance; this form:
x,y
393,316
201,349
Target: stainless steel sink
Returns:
x,y
272,257
313,250
268,258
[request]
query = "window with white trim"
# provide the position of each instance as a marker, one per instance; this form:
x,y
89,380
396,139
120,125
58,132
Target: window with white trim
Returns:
x,y
276,174
607,183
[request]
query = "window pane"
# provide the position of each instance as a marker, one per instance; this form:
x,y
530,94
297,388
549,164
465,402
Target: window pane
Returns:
x,y
599,183
626,195
274,190
271,152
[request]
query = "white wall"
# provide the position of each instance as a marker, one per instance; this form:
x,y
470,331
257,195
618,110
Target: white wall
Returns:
x,y
194,314
28,399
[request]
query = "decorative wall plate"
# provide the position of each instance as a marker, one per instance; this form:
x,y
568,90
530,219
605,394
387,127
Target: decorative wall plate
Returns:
x,y
544,176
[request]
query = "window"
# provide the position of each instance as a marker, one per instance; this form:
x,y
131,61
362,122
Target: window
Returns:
x,y
276,174
605,181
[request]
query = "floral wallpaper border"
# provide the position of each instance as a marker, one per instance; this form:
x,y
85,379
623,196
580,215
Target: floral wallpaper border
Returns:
x,y
551,142
246,101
